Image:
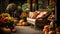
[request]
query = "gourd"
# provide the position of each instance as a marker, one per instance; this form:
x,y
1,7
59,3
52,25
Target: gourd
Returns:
x,y
57,29
6,30
13,30
52,32
46,29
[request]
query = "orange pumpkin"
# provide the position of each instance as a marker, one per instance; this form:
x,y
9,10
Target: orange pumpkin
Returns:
x,y
23,15
57,29
13,30
23,23
45,30
6,30
52,32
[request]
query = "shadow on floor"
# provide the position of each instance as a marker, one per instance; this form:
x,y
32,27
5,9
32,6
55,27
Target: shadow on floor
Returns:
x,y
26,30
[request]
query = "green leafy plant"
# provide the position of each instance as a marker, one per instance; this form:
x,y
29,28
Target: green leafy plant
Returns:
x,y
41,4
50,8
25,7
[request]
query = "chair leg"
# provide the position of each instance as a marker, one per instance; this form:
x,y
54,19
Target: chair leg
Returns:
x,y
35,27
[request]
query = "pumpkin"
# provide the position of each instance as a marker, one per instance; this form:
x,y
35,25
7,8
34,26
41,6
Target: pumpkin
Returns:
x,y
51,24
3,20
6,30
51,17
52,32
13,30
23,15
46,27
5,15
57,29
8,18
23,23
45,30
19,24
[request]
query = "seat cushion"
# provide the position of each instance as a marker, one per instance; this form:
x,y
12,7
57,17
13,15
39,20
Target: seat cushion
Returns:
x,y
42,14
32,15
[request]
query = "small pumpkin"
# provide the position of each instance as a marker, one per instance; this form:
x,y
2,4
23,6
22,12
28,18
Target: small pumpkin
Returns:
x,y
52,32
23,23
46,29
13,30
57,29
23,15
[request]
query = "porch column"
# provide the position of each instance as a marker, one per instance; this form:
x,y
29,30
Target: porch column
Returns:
x,y
29,2
35,2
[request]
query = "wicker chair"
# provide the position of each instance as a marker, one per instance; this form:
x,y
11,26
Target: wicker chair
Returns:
x,y
41,21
